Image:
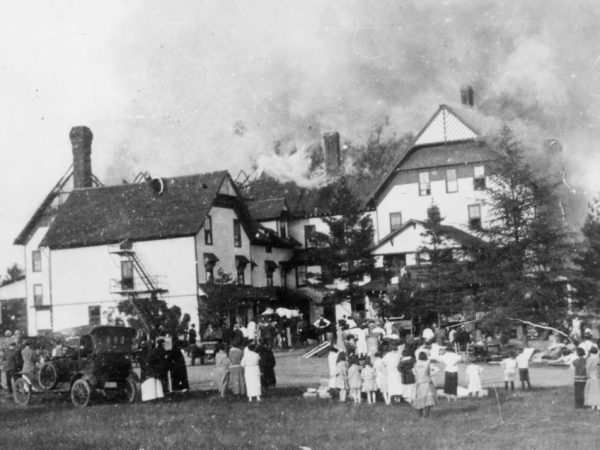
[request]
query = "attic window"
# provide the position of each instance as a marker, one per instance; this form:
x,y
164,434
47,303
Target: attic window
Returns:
x,y
158,185
208,237
237,233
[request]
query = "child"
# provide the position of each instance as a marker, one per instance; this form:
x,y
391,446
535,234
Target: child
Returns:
x,y
523,366
510,370
341,378
369,383
580,377
381,376
425,393
354,379
473,375
406,365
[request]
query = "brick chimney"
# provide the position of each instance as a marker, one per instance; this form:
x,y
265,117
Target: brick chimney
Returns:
x,y
332,155
81,141
467,97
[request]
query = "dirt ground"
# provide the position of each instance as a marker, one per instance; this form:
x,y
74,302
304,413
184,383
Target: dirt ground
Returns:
x,y
294,371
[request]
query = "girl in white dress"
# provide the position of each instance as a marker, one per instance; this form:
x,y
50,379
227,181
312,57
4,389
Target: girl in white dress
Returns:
x,y
473,373
252,372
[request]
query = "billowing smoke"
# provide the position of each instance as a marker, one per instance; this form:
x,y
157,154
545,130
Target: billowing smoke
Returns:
x,y
221,84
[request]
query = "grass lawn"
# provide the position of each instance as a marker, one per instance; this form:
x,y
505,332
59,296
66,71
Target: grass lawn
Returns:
x,y
543,418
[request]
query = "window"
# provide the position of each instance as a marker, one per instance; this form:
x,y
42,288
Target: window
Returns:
x,y
268,248
283,275
237,233
282,229
38,295
479,178
451,181
395,220
240,275
424,184
475,217
270,267
36,260
309,234
208,237
94,315
210,273
301,276
126,275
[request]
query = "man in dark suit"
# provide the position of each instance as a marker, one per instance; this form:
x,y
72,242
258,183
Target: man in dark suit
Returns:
x,y
12,364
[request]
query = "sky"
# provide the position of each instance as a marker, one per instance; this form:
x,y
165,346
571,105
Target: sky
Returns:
x,y
184,87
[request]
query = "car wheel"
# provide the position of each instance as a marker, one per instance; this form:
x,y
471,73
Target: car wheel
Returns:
x,y
130,391
81,393
48,376
22,392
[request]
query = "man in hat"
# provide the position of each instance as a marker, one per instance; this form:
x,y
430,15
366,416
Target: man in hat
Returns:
x,y
587,342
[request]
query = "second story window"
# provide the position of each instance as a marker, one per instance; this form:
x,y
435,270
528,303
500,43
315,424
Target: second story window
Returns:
x,y
451,181
282,229
309,233
36,261
237,233
126,275
300,276
270,267
475,217
479,178
395,220
424,184
208,237
38,295
94,315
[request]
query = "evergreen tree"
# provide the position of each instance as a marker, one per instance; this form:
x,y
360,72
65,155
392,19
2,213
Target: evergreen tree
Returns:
x,y
587,282
346,256
13,273
521,271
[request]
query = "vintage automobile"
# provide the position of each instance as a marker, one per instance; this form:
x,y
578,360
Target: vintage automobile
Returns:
x,y
98,362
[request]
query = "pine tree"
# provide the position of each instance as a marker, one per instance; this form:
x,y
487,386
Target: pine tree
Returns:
x,y
587,283
346,256
521,271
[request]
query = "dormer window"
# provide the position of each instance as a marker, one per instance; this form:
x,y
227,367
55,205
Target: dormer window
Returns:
x,y
36,261
208,237
479,178
424,184
237,233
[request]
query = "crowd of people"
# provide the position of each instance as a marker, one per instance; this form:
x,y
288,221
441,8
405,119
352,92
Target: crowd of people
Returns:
x,y
245,369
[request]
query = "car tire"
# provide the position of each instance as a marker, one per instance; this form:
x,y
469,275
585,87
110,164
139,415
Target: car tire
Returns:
x,y
22,392
48,376
81,393
130,391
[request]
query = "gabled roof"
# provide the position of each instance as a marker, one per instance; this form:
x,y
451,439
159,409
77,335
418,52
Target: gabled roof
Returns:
x,y
111,214
446,139
272,208
445,126
459,236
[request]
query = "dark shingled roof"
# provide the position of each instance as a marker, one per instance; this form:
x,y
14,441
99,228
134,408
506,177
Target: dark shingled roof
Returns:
x,y
459,236
448,155
104,215
271,208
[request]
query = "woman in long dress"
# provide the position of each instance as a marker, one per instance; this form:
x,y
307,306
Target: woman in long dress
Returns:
x,y
425,393
236,380
250,363
394,381
592,385
221,369
407,363
381,377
